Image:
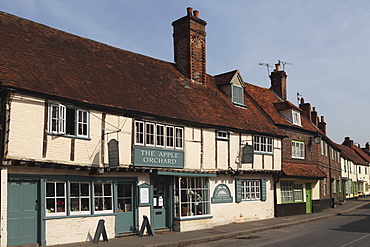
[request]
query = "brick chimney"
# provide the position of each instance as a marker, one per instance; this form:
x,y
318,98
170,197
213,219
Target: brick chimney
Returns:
x,y
189,39
314,117
348,142
322,125
306,109
278,82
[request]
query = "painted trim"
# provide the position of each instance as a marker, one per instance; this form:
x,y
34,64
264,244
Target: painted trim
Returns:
x,y
194,218
186,174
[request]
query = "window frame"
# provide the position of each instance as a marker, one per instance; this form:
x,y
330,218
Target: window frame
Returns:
x,y
179,138
296,118
237,94
104,197
58,200
189,194
251,189
80,198
298,149
263,144
222,135
59,120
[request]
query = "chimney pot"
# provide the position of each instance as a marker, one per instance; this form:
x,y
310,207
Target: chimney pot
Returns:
x,y
277,67
190,10
196,13
322,119
302,100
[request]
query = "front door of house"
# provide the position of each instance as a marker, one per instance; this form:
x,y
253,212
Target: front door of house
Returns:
x,y
308,198
22,212
160,203
125,213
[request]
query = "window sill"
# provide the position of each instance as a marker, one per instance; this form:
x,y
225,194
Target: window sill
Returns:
x,y
77,216
197,217
70,136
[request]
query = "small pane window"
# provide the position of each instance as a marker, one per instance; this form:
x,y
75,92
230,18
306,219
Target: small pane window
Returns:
x,y
298,151
298,192
82,123
139,129
251,190
222,134
170,137
296,118
286,190
179,138
262,144
103,197
160,135
150,134
55,198
80,198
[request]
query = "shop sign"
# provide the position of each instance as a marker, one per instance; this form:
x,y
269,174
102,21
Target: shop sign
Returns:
x,y
158,158
221,194
247,154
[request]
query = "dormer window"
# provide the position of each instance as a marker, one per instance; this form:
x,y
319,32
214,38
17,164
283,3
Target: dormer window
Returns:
x,y
296,117
237,94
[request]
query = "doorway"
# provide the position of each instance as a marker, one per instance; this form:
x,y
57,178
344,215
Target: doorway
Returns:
x,y
22,212
308,198
161,202
125,220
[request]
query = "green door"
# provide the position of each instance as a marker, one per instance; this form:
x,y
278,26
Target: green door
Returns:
x,y
125,213
308,198
160,203
22,212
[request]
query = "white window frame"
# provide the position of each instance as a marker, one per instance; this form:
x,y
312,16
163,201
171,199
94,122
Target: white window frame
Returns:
x,y
251,189
57,198
286,192
192,197
150,134
298,192
161,135
298,149
179,138
58,121
105,196
139,133
80,197
296,118
222,135
263,144
237,94
170,136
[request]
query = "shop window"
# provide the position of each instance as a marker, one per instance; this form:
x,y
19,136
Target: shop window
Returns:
x,y
262,144
80,198
65,120
286,190
103,197
191,196
298,192
55,198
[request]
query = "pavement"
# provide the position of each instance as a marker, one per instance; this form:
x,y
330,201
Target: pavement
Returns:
x,y
169,239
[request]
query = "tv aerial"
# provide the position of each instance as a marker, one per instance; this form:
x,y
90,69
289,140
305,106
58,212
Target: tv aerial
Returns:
x,y
267,66
284,63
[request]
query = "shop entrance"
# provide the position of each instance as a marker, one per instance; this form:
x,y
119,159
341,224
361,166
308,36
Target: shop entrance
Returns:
x,y
126,212
161,202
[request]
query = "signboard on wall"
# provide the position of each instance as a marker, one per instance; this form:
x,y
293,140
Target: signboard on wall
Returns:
x,y
221,194
158,158
113,154
247,154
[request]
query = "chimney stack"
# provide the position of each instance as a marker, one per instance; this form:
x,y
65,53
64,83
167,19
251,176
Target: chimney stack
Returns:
x,y
314,117
278,82
306,109
322,125
189,38
348,142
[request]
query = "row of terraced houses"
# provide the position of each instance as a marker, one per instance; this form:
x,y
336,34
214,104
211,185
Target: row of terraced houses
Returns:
x,y
91,132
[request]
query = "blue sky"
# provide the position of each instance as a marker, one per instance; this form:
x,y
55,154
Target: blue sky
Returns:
x,y
326,41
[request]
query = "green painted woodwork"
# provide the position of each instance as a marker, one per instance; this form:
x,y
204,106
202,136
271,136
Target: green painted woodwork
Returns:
x,y
158,157
308,198
22,212
161,202
125,219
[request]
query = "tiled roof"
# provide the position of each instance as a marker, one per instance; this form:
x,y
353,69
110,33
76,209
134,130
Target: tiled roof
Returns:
x,y
40,59
302,170
225,78
272,104
362,154
352,155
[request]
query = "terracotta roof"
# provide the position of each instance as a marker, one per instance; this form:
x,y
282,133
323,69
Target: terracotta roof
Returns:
x,y
352,155
272,104
302,170
362,154
40,59
225,78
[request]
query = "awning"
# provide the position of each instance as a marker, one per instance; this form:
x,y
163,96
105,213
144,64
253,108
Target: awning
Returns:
x,y
302,170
